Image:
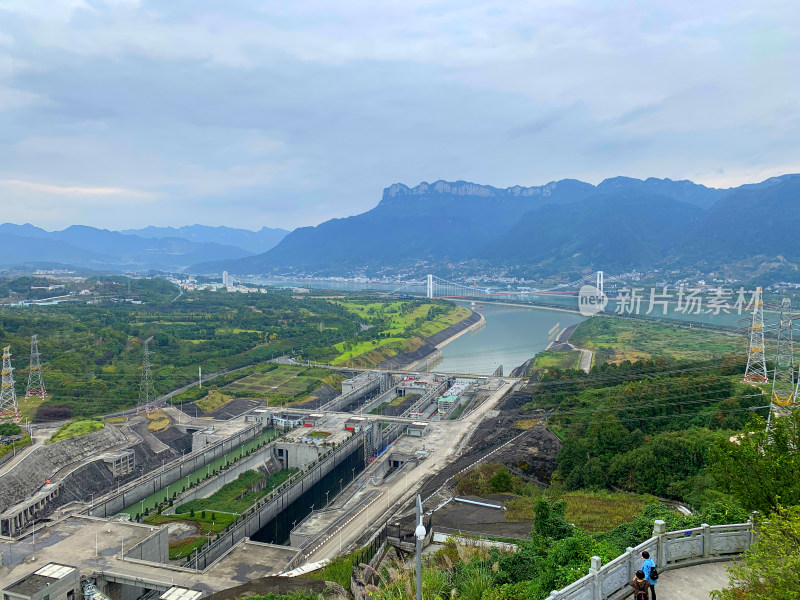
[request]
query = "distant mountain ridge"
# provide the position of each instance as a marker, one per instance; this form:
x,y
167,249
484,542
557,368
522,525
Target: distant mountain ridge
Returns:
x,y
620,224
252,241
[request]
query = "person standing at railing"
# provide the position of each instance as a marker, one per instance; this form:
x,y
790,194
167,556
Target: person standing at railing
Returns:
x,y
650,573
640,586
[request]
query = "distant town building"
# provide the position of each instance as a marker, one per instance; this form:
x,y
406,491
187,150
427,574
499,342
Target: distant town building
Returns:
x,y
225,279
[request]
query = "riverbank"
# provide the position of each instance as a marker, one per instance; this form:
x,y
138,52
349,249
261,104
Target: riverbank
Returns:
x,y
408,360
477,325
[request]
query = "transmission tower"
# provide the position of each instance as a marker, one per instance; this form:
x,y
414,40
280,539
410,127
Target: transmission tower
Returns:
x,y
147,393
9,407
783,383
35,380
756,371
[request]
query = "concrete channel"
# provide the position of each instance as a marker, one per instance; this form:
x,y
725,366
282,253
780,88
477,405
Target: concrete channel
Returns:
x,y
268,513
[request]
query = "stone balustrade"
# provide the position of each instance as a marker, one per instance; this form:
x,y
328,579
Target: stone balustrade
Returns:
x,y
669,550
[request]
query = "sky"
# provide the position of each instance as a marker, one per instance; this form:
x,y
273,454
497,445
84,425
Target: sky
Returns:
x,y
127,113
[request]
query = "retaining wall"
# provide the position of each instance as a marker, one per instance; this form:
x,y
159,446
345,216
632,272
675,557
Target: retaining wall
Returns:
x,y
43,462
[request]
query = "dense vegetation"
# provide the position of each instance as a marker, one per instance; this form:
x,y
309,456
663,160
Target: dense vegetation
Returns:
x,y
646,427
92,346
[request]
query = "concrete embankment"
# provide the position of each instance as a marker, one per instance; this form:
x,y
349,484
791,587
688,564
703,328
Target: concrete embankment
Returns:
x,y
432,343
27,476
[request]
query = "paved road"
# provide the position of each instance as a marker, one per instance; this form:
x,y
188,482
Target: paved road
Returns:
x,y
692,583
440,442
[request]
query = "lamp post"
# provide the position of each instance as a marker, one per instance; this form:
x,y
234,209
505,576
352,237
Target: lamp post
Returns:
x,y
419,533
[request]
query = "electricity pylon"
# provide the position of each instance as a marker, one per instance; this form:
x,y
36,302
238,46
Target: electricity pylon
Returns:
x,y
9,407
35,380
783,383
147,393
756,371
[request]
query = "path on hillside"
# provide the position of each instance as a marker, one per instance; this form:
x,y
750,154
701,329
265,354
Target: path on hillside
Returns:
x,y
562,343
693,583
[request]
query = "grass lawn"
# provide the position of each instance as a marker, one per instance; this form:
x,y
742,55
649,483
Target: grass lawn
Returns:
x,y
214,400
157,420
287,383
15,446
403,332
561,359
602,511
225,499
620,339
186,547
592,511
212,522
76,428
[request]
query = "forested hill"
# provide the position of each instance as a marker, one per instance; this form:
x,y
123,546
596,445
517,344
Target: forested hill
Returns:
x,y
563,226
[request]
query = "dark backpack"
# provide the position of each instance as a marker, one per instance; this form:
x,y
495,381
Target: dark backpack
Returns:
x,y
653,573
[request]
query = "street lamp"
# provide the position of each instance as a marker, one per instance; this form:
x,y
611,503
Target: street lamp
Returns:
x,y
419,533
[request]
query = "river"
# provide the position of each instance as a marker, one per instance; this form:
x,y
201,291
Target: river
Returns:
x,y
510,336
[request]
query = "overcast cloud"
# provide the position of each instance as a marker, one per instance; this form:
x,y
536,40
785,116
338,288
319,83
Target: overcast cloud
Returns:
x,y
124,113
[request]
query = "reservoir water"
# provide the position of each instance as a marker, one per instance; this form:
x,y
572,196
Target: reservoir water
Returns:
x,y
510,336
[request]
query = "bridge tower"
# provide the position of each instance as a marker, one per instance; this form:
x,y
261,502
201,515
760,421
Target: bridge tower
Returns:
x,y
147,393
429,293
783,384
756,371
600,282
9,407
35,379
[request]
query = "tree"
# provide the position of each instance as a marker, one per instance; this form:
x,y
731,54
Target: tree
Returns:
x,y
502,481
768,571
550,520
759,468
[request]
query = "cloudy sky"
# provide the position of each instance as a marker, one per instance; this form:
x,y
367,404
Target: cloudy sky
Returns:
x,y
123,113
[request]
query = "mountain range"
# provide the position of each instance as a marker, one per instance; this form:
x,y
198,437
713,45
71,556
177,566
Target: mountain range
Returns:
x,y
619,225
155,248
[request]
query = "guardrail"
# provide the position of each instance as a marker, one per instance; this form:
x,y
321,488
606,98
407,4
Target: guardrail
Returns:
x,y
669,550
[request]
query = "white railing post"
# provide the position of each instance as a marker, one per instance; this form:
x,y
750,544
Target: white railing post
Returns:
x,y
706,540
597,577
751,532
631,562
659,529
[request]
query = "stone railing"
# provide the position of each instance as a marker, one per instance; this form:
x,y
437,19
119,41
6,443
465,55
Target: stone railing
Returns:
x,y
669,550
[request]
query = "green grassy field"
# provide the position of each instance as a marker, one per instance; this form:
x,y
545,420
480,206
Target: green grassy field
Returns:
x,y
593,511
15,446
76,428
287,383
562,359
615,340
229,497
401,329
211,522
186,547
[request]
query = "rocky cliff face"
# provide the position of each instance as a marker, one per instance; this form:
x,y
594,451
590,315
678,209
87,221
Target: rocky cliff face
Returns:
x,y
465,188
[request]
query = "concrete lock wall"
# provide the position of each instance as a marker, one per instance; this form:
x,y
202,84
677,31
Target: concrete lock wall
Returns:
x,y
256,520
294,455
154,548
141,488
264,457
